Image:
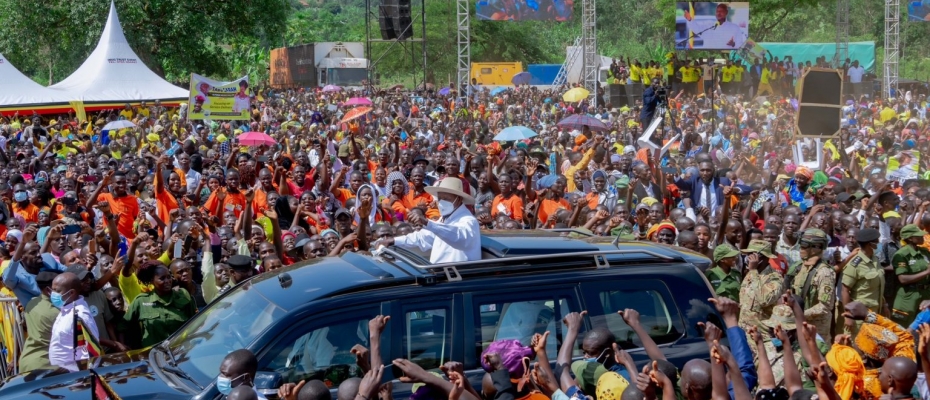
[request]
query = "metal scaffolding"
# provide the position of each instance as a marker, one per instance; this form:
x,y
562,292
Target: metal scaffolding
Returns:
x,y
413,48
892,28
571,57
842,33
591,60
463,27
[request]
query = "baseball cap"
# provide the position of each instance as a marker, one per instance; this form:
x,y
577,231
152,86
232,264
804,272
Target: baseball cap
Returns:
x,y
78,270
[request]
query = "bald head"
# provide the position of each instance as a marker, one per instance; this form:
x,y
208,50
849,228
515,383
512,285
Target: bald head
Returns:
x,y
314,390
348,389
696,381
596,340
898,373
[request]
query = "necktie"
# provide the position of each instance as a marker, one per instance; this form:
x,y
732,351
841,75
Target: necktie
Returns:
x,y
707,190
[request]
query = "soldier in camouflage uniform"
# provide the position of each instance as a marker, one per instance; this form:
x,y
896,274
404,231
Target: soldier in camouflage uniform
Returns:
x,y
815,282
783,315
761,287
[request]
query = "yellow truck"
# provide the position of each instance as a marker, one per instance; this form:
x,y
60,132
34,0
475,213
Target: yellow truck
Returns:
x,y
495,73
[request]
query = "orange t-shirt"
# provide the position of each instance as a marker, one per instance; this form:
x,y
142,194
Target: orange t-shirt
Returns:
x,y
512,207
165,202
234,202
343,195
126,209
550,207
30,213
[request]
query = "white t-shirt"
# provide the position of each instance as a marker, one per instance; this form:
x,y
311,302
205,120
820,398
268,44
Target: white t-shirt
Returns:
x,y
855,74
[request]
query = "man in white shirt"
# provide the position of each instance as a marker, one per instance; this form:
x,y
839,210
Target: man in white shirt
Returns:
x,y
855,72
726,35
66,297
456,237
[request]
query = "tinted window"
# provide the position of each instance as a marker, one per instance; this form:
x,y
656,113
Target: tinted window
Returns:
x,y
427,336
322,351
658,313
521,319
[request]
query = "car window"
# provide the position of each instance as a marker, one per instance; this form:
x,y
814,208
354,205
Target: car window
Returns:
x,y
321,351
427,335
652,299
520,317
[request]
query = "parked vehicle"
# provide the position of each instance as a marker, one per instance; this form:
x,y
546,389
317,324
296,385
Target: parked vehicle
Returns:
x,y
301,321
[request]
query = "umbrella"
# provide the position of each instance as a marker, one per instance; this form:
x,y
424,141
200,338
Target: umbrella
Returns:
x,y
498,90
576,94
256,139
445,91
358,101
120,124
579,121
514,133
522,78
355,113
331,88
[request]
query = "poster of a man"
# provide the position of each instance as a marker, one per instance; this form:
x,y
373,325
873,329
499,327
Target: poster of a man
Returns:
x,y
711,26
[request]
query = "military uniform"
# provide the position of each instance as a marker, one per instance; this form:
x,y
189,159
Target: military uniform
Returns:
x,y
815,282
865,280
909,261
724,284
160,317
757,296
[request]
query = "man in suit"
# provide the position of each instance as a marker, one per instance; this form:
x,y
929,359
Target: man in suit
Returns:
x,y
644,186
706,189
755,74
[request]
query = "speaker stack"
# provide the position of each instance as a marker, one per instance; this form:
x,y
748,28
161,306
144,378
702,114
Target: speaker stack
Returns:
x,y
624,95
395,19
820,104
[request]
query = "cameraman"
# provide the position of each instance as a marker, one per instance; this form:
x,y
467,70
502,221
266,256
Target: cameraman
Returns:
x,y
650,102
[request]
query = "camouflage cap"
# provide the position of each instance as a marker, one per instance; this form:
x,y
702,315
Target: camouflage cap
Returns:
x,y
760,246
781,315
911,230
814,236
724,250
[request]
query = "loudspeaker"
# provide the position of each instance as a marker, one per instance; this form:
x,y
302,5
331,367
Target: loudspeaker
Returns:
x,y
624,95
387,15
820,104
403,20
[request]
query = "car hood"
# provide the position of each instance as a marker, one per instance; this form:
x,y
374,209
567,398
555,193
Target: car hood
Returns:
x,y
129,374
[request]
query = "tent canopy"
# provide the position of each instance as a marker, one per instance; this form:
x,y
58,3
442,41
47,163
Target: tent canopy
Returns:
x,y
113,73
17,89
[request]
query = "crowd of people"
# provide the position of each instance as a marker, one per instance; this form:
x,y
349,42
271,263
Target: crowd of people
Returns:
x,y
820,242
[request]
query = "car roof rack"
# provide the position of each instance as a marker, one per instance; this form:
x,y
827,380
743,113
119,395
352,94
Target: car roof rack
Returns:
x,y
570,230
450,270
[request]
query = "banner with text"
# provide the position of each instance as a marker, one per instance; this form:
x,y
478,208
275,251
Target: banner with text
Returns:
x,y
210,99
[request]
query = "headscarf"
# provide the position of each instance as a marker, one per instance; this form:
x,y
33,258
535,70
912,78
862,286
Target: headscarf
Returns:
x,y
805,172
512,353
18,234
328,231
664,224
396,176
610,386
847,364
879,343
374,204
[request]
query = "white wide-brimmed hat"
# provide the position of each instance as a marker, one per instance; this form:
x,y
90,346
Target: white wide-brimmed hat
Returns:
x,y
450,185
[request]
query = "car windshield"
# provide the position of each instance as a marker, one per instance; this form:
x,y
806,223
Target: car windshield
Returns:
x,y
230,323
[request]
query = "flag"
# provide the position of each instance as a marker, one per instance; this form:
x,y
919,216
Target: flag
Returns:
x,y
691,32
101,390
83,337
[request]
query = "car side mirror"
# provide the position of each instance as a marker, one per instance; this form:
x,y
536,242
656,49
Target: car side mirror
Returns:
x,y
268,382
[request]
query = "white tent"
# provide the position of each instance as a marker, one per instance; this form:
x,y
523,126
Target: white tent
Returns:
x,y
113,73
17,89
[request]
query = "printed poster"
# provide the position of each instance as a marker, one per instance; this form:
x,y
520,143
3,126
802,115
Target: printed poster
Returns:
x,y
215,100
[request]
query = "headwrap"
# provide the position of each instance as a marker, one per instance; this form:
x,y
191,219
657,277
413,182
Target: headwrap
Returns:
x,y
511,352
18,234
598,173
397,176
879,343
328,231
847,364
665,224
614,158
374,204
610,386
805,172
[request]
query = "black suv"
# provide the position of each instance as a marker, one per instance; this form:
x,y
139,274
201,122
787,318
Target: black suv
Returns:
x,y
301,321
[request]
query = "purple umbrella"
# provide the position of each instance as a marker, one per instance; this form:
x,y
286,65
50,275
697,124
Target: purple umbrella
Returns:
x,y
444,91
331,88
579,121
522,78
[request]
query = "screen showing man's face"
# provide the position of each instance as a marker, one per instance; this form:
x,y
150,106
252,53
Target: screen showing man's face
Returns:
x,y
721,13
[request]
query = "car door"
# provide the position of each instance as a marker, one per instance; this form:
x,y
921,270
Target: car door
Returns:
x,y
319,346
515,313
425,329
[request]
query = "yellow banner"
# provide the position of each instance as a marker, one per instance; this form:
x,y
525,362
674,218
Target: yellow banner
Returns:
x,y
215,100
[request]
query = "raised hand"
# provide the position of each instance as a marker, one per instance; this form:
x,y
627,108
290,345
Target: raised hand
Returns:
x,y
574,320
538,342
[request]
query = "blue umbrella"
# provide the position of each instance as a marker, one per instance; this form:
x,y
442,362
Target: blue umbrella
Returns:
x,y
444,91
498,90
514,133
522,78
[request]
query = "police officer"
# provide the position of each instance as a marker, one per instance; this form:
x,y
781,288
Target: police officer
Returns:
x,y
815,282
910,265
863,277
761,288
723,277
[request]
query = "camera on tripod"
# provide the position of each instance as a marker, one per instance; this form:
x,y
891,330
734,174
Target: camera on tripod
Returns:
x,y
662,94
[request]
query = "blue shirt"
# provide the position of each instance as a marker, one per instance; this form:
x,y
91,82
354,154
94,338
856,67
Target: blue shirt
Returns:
x,y
739,347
22,283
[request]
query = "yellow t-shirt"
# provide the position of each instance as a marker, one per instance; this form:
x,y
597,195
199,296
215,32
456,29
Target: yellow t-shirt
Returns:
x,y
657,72
685,74
144,111
635,73
766,75
739,74
127,114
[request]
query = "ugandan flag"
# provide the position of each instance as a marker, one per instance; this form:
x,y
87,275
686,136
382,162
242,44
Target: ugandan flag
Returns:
x,y
83,337
101,389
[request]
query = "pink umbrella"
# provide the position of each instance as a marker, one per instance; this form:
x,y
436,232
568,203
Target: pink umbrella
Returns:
x,y
331,88
358,101
256,139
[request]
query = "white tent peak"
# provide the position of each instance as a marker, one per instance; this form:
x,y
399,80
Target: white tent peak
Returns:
x,y
114,73
17,89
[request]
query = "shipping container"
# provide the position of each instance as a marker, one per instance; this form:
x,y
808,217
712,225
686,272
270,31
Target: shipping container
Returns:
x,y
495,73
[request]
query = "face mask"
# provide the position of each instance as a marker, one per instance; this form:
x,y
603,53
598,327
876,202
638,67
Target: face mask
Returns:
x,y
777,342
57,299
596,359
224,385
20,196
446,207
